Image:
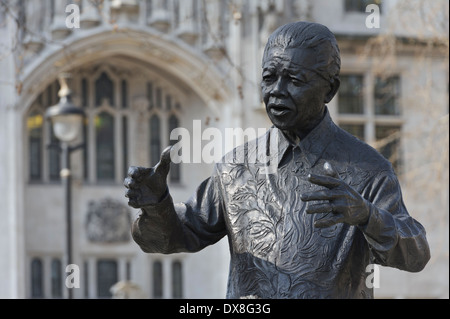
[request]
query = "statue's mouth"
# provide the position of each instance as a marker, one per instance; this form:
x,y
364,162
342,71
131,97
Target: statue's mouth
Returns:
x,y
278,109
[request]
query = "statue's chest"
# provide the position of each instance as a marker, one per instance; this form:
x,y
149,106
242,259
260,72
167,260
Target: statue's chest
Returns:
x,y
265,215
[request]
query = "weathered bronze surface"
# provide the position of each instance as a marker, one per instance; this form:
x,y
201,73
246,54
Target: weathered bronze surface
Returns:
x,y
310,228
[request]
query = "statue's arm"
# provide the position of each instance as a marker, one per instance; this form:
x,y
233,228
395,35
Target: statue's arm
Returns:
x,y
394,237
167,228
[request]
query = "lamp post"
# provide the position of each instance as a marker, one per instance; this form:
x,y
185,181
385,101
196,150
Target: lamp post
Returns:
x,y
67,120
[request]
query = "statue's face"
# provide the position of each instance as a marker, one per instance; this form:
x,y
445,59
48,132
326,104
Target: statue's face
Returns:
x,y
294,94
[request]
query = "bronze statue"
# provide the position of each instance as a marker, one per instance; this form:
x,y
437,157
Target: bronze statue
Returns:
x,y
308,230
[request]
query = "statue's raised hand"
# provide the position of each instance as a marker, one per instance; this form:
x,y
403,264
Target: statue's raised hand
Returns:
x,y
147,186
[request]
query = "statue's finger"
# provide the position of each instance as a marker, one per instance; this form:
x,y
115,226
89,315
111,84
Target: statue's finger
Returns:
x,y
163,166
322,195
329,221
327,181
319,208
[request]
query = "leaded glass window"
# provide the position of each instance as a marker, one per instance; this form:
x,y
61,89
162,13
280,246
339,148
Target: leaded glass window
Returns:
x,y
124,93
107,276
104,129
351,95
174,168
35,140
108,126
177,280
84,93
37,278
155,140
125,146
387,94
369,107
104,90
54,157
56,278
157,279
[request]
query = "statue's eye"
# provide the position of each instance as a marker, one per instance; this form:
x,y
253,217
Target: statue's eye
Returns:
x,y
269,78
296,81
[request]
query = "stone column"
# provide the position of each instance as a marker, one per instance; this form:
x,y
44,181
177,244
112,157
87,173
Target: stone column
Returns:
x,y
167,278
12,248
92,277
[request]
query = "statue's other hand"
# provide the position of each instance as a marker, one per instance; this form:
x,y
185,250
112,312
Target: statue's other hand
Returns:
x,y
344,202
147,186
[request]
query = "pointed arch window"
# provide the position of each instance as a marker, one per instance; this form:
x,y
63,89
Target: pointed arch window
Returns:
x,y
104,89
56,276
104,133
125,161
54,157
35,141
155,139
168,102
43,162
107,276
174,168
37,278
157,279
84,92
124,93
177,280
159,98
108,127
150,94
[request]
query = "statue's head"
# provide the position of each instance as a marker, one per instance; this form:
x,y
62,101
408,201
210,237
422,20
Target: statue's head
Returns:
x,y
301,66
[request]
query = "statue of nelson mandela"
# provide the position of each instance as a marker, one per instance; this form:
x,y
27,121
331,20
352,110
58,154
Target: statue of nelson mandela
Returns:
x,y
310,227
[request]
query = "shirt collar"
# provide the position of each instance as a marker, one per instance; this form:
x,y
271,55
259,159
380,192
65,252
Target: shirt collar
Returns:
x,y
312,145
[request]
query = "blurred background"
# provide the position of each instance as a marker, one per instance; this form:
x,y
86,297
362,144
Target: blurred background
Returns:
x,y
139,69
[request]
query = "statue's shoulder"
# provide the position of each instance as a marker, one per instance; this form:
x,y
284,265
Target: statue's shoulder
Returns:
x,y
359,153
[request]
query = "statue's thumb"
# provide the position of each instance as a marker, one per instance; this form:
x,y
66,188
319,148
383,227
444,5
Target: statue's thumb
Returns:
x,y
163,166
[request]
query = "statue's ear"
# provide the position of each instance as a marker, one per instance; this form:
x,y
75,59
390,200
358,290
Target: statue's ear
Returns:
x,y
334,87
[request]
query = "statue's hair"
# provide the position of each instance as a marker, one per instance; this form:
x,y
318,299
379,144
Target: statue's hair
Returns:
x,y
311,35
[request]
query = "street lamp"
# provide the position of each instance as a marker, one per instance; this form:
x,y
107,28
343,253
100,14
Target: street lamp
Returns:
x,y
67,120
